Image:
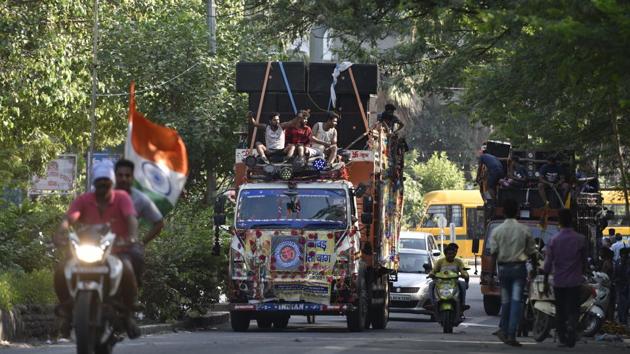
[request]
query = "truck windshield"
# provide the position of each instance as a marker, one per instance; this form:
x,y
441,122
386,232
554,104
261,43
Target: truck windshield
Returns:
x,y
538,234
292,208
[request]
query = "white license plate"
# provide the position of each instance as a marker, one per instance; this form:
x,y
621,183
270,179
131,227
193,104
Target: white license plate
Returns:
x,y
396,297
91,270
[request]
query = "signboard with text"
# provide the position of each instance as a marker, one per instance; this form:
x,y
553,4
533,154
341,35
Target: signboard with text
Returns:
x,y
60,176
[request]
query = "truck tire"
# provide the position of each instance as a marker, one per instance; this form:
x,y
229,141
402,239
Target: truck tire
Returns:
x,y
492,305
264,322
358,319
379,313
239,321
281,322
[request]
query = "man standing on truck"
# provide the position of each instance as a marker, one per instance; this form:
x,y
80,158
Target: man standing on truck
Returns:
x,y
390,120
566,256
511,244
494,169
552,175
327,132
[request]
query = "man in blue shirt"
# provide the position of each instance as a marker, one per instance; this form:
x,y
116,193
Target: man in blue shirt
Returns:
x,y
494,170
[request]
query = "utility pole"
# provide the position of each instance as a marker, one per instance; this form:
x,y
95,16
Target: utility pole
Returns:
x,y
94,88
212,27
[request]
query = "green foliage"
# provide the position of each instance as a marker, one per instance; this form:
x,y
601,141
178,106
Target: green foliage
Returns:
x,y
181,273
26,231
33,288
421,177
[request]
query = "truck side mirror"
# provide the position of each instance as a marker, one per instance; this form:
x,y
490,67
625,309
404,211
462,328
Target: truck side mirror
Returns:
x,y
475,246
360,190
368,204
367,218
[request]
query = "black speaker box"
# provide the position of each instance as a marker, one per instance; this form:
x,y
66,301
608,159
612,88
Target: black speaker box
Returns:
x,y
250,77
320,79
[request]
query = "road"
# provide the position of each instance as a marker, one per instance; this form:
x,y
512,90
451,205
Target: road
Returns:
x,y
404,334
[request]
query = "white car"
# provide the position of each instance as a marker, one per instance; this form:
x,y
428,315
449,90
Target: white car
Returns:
x,y
420,241
410,294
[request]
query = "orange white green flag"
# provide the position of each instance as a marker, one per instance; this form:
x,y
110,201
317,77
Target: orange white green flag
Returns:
x,y
160,158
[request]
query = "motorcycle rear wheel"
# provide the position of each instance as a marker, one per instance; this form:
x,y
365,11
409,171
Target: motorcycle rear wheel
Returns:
x,y
591,324
542,326
84,316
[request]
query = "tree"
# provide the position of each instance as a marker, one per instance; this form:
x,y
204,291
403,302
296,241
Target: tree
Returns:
x,y
421,177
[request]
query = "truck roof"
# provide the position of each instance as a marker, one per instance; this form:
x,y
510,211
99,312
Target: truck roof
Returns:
x,y
283,184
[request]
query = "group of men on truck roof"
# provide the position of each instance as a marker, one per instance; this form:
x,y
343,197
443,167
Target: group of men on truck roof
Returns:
x,y
294,138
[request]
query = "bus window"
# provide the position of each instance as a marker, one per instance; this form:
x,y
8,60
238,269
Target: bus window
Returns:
x,y
619,219
452,213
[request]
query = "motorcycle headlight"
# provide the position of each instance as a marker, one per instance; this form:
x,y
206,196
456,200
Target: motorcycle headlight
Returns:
x,y
89,253
446,292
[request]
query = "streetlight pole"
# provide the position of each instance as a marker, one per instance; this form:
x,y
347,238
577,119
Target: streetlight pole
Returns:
x,y
93,103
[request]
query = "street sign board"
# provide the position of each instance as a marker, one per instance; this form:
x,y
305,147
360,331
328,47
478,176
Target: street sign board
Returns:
x,y
60,176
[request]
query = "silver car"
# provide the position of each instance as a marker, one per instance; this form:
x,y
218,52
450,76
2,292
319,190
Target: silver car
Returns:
x,y
410,294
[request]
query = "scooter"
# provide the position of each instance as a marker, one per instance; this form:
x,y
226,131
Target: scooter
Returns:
x,y
601,283
590,319
93,276
448,306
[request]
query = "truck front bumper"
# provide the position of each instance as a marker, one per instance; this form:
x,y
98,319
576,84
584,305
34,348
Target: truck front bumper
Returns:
x,y
294,308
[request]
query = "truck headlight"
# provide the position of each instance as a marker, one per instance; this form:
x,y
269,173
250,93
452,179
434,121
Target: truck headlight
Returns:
x,y
89,253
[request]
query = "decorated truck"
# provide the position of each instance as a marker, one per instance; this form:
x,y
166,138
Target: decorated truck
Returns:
x,y
541,219
311,238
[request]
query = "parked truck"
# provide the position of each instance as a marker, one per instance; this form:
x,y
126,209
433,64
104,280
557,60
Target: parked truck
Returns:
x,y
311,239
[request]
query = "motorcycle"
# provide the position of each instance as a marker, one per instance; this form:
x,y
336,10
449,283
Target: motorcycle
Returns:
x,y
93,276
601,283
448,306
590,319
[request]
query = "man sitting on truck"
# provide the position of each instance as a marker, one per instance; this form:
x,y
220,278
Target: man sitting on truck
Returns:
x,y
552,176
274,137
300,136
326,132
517,174
452,263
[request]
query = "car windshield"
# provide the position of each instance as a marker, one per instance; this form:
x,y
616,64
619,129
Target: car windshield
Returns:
x,y
537,232
412,262
413,243
292,208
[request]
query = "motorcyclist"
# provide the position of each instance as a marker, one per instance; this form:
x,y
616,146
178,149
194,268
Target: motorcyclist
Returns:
x,y
102,206
452,263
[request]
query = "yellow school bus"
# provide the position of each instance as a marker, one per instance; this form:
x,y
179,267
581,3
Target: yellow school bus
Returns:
x,y
614,200
458,207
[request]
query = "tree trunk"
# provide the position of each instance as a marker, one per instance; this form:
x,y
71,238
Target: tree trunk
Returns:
x,y
211,182
622,165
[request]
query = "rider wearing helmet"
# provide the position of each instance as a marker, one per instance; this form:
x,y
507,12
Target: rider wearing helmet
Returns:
x,y
452,263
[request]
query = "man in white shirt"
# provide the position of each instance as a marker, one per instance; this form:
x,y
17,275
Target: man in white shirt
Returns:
x,y
324,139
274,137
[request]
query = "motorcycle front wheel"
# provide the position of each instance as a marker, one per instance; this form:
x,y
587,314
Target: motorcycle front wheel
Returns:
x,y
448,321
542,325
591,324
84,316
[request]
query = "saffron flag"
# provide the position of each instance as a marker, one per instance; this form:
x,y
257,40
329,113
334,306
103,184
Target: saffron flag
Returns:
x,y
160,158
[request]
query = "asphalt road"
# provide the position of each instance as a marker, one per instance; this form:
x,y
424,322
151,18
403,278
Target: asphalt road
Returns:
x,y
404,334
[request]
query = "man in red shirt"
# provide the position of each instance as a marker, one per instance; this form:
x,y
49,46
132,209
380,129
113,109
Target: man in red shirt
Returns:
x,y
103,206
300,135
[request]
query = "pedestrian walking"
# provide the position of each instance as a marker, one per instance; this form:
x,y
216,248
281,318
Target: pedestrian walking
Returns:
x,y
511,244
566,258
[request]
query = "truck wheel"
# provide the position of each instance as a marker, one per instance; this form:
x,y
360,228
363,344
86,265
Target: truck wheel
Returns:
x,y
492,305
264,322
281,322
357,319
239,321
379,314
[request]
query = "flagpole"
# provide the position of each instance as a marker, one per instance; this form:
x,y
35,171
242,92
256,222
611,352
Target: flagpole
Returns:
x,y
93,103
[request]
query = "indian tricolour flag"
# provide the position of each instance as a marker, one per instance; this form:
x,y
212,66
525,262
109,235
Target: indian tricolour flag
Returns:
x,y
160,158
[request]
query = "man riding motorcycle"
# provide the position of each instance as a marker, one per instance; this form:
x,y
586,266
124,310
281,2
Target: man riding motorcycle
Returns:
x,y
102,206
450,262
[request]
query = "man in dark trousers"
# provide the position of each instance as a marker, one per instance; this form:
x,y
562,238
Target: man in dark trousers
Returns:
x,y
565,257
511,245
